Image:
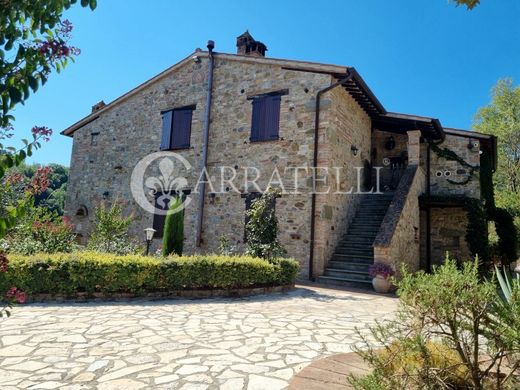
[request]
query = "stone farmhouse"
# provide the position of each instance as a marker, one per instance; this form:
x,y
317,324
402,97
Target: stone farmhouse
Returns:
x,y
246,111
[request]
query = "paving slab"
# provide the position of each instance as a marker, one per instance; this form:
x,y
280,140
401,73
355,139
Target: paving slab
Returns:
x,y
257,342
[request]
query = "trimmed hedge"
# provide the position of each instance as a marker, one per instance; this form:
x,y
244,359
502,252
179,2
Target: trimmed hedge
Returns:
x,y
69,273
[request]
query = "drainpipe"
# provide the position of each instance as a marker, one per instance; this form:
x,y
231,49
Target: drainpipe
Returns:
x,y
428,213
205,139
315,165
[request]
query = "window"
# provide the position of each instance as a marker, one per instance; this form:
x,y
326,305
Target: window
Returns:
x,y
94,139
176,128
266,117
162,202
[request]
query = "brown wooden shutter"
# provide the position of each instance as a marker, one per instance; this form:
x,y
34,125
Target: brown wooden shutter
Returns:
x,y
258,121
272,117
166,130
181,129
266,118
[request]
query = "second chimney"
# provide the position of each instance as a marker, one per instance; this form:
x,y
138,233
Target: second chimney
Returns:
x,y
247,46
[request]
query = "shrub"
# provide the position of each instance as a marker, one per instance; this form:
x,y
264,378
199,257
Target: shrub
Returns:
x,y
262,227
418,362
110,231
224,246
92,272
507,244
173,236
456,308
40,231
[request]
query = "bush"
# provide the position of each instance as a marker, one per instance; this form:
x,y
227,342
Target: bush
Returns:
x,y
173,236
506,247
100,272
419,362
40,231
457,309
110,232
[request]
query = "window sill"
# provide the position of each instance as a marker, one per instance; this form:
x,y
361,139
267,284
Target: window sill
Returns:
x,y
177,149
265,140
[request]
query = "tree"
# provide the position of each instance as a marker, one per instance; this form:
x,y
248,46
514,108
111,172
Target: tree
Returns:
x,y
110,231
53,197
33,42
173,237
262,227
470,4
502,119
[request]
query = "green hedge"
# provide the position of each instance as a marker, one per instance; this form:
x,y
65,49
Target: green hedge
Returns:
x,y
68,273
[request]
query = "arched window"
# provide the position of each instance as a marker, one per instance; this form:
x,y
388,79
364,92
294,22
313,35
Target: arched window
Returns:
x,y
82,211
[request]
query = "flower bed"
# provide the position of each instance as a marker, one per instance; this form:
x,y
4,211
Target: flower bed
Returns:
x,y
90,272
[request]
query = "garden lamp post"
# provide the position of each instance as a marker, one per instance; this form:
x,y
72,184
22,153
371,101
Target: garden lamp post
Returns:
x,y
149,236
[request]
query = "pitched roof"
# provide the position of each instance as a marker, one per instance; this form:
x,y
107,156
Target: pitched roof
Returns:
x,y
356,87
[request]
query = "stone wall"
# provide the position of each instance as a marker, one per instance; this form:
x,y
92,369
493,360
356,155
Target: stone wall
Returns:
x,y
344,125
106,150
448,234
440,168
398,241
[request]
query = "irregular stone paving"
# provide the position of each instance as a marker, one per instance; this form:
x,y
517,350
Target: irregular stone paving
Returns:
x,y
233,343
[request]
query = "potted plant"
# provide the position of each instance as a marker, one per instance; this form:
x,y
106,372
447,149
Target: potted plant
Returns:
x,y
381,273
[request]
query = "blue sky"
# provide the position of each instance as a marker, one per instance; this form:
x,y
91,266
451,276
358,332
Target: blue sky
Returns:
x,y
424,57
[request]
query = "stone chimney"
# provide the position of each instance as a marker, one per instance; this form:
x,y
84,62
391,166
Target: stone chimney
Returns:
x,y
98,106
247,46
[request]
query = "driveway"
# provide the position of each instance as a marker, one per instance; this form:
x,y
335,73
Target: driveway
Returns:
x,y
249,343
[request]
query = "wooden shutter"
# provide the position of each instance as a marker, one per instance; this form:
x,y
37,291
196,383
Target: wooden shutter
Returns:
x,y
258,121
266,118
166,130
181,129
272,116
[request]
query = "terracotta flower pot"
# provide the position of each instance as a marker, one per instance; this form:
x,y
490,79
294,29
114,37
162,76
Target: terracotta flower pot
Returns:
x,y
381,284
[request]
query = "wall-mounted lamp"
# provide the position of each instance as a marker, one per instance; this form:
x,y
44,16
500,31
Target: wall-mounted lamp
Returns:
x,y
390,143
473,145
149,232
354,150
105,195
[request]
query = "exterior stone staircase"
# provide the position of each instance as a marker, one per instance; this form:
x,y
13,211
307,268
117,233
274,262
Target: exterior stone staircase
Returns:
x,y
349,264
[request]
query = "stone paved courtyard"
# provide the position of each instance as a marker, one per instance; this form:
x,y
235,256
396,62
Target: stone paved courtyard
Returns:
x,y
243,343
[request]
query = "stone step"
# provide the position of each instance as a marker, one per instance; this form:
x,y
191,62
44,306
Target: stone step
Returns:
x,y
372,221
368,222
345,274
344,282
362,230
354,251
352,258
364,250
349,266
368,238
